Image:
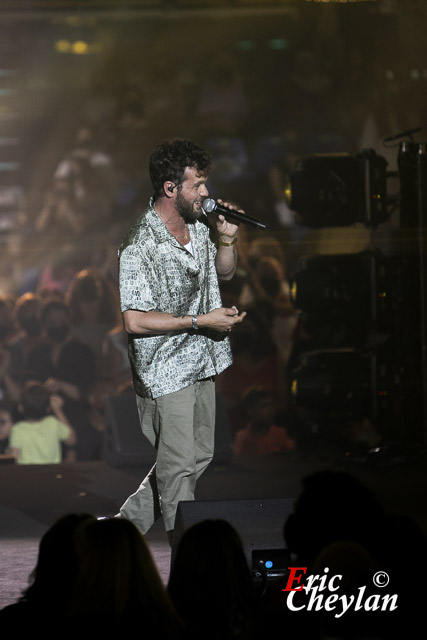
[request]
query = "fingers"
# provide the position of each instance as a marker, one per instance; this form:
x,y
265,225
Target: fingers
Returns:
x,y
223,319
241,316
234,316
225,227
233,311
230,205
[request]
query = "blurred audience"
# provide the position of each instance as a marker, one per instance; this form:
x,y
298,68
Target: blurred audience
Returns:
x,y
255,133
261,434
67,367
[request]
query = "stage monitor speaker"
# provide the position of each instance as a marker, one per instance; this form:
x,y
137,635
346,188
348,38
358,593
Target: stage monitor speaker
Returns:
x,y
125,444
259,524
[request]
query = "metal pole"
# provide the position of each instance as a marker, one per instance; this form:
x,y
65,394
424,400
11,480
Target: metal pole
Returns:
x,y
422,223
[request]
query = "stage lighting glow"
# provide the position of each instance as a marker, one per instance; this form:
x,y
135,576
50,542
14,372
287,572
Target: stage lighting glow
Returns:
x,y
278,44
63,46
287,192
80,47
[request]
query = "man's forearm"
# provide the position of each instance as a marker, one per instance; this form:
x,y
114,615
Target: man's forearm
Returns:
x,y
226,258
157,322
154,322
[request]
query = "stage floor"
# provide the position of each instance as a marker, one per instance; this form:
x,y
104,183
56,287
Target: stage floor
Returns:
x,y
33,497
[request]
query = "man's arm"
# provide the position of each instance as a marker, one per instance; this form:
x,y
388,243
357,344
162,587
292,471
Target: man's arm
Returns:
x,y
155,322
226,257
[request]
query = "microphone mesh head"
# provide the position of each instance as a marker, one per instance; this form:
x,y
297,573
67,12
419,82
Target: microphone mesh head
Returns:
x,y
209,205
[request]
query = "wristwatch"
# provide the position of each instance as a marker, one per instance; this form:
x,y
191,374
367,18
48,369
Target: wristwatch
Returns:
x,y
194,323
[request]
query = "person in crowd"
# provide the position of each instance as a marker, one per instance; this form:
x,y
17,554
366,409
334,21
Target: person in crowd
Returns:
x,y
6,423
82,193
256,363
211,584
8,388
267,285
6,320
93,309
39,436
118,586
58,268
170,262
339,507
44,603
67,367
261,434
27,323
115,360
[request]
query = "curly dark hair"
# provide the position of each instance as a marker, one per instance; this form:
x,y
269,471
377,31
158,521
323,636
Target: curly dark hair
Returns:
x,y
171,158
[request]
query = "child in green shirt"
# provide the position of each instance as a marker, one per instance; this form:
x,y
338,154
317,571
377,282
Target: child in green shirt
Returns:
x,y
38,438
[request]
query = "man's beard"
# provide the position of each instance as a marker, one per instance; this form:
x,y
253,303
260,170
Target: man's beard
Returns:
x,y
185,209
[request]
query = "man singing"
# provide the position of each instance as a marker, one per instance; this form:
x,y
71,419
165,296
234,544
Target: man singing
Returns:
x,y
170,262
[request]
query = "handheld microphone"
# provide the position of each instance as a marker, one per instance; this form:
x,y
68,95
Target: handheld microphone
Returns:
x,y
209,205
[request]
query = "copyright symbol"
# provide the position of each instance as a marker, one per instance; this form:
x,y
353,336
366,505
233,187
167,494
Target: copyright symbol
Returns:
x,y
381,579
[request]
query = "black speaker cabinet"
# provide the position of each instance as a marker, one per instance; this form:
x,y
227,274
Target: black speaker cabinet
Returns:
x,y
124,443
258,522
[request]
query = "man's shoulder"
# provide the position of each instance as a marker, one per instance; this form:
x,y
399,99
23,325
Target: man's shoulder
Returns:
x,y
138,234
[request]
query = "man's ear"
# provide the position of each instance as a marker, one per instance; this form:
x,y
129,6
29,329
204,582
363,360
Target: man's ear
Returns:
x,y
168,188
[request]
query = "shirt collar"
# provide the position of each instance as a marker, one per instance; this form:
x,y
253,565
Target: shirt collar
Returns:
x,y
159,228
156,223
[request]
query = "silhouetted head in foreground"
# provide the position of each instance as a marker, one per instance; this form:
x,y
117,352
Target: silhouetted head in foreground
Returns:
x,y
210,582
56,571
119,582
333,506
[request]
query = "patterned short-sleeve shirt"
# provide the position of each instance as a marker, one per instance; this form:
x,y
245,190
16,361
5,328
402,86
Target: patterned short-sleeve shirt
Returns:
x,y
159,274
